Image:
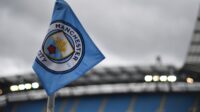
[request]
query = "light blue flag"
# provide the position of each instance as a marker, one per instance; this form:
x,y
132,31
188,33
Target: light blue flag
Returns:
x,y
67,51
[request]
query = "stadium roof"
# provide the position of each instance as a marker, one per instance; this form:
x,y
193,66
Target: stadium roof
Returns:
x,y
193,58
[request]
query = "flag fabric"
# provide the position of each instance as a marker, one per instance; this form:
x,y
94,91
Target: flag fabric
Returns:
x,y
67,51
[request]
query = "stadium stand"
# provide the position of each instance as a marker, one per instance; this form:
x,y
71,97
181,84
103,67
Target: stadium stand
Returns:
x,y
31,106
117,103
89,103
145,102
179,102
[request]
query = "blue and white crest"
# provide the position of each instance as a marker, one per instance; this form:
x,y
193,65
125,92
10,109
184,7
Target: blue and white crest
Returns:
x,y
62,49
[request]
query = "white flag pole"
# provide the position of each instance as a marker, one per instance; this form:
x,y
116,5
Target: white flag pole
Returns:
x,y
51,103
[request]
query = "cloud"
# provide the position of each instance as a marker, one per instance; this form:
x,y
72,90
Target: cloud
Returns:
x,y
127,32
139,29
12,66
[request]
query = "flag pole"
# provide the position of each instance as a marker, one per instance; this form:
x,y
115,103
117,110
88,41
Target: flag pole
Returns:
x,y
51,103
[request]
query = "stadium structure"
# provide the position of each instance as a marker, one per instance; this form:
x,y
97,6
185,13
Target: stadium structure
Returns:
x,y
155,88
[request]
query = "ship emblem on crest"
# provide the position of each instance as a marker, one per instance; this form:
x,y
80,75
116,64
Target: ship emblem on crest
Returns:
x,y
58,47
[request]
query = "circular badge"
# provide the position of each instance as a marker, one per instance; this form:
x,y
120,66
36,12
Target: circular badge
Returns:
x,y
62,49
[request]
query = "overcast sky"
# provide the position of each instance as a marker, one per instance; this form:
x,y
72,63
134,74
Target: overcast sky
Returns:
x,y
128,32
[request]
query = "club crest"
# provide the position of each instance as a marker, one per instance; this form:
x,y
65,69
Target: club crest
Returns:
x,y
62,49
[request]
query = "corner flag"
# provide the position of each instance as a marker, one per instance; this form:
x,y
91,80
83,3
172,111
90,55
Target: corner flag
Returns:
x,y
67,51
